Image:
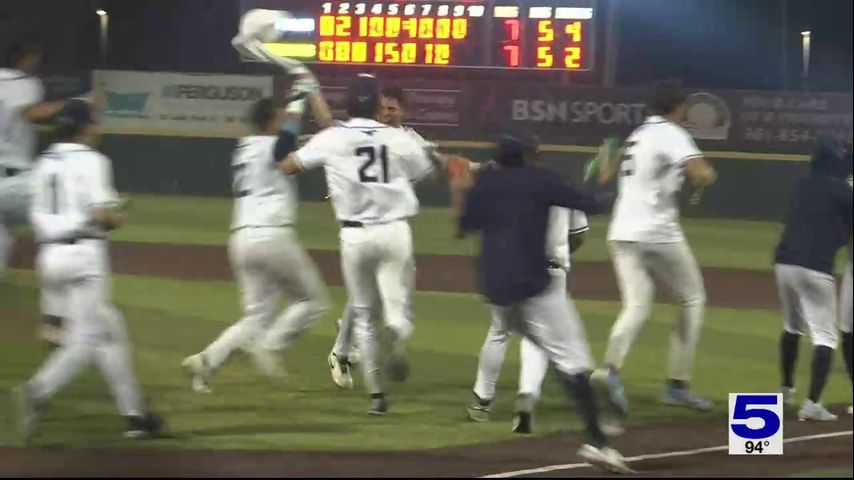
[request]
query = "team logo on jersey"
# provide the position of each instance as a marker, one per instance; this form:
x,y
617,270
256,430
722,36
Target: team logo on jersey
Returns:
x,y
708,117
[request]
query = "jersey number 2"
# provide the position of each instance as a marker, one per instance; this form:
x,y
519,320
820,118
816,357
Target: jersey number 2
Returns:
x,y
370,156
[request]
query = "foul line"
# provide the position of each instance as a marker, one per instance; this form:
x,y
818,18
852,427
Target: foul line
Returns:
x,y
653,456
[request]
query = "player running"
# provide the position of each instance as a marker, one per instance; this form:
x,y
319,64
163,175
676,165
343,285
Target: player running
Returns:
x,y
21,105
370,168
510,206
818,224
646,241
565,235
265,253
74,207
344,354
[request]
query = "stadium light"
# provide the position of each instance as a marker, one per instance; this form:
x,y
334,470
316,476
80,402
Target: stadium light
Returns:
x,y
104,18
806,37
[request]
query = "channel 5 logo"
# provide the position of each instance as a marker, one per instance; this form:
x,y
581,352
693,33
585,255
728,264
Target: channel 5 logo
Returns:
x,y
755,424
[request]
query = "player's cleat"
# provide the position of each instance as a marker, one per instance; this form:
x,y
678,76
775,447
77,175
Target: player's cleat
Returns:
x,y
479,409
789,397
268,362
29,413
815,412
379,407
144,426
199,372
340,370
851,410
524,421
607,380
605,458
684,397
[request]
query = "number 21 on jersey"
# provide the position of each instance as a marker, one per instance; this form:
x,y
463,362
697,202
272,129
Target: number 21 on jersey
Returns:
x,y
370,155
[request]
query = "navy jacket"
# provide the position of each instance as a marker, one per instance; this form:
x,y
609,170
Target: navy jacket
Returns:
x,y
510,207
818,222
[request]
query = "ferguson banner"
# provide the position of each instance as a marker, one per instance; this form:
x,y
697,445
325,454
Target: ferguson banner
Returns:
x,y
157,103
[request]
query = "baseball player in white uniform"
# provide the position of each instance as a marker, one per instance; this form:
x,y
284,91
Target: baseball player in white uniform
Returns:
x,y
73,209
264,250
565,234
21,104
344,354
646,241
846,311
370,168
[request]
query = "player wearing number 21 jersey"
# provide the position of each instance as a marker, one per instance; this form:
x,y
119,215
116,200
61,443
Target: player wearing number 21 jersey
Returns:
x,y
370,168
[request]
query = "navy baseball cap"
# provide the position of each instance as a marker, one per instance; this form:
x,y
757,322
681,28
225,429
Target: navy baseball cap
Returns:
x,y
76,113
512,149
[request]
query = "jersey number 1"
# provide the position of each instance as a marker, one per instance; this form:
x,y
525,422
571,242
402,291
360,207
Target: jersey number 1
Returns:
x,y
54,190
370,156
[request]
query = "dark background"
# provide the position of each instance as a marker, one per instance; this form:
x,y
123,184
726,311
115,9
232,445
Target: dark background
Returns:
x,y
708,43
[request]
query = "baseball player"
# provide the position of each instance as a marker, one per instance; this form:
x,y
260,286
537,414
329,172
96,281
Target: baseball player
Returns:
x,y
21,104
818,224
344,354
845,312
370,168
510,206
74,207
646,241
565,234
265,253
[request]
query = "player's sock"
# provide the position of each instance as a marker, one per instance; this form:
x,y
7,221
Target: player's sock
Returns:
x,y
847,345
578,387
677,384
789,357
822,357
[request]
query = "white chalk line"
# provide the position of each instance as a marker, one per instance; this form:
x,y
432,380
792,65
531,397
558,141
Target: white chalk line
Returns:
x,y
653,456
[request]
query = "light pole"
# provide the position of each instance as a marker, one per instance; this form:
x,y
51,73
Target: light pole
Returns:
x,y
805,41
104,17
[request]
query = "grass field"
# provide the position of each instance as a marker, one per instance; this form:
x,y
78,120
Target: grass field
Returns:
x,y
170,319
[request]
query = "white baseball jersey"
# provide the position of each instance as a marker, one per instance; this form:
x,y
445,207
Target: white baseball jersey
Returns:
x,y
69,180
370,168
18,91
418,138
651,175
563,222
264,196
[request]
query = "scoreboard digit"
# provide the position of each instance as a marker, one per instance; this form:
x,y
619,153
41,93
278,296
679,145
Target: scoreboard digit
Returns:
x,y
553,35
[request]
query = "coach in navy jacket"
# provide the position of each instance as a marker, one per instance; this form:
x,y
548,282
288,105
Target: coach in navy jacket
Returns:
x,y
818,224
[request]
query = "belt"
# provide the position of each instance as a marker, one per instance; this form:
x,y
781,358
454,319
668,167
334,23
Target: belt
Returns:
x,y
553,266
71,240
351,224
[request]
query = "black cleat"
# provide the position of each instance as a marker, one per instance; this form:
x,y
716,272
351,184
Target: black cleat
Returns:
x,y
379,407
144,427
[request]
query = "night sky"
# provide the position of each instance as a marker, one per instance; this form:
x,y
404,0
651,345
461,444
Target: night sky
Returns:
x,y
709,43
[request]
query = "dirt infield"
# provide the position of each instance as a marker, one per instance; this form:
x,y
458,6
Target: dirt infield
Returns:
x,y
733,288
511,456
726,288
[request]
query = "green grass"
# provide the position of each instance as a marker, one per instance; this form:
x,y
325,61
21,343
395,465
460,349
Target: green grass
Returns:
x,y
170,319
200,220
838,473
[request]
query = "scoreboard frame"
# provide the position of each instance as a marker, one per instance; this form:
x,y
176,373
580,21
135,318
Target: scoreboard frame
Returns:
x,y
551,35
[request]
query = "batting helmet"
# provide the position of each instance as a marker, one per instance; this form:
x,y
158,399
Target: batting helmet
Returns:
x,y
363,96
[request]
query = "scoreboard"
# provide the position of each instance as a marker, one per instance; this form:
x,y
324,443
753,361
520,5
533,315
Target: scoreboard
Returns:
x,y
507,34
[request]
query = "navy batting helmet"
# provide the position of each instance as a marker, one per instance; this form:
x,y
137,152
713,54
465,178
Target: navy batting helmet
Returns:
x,y
76,115
363,96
